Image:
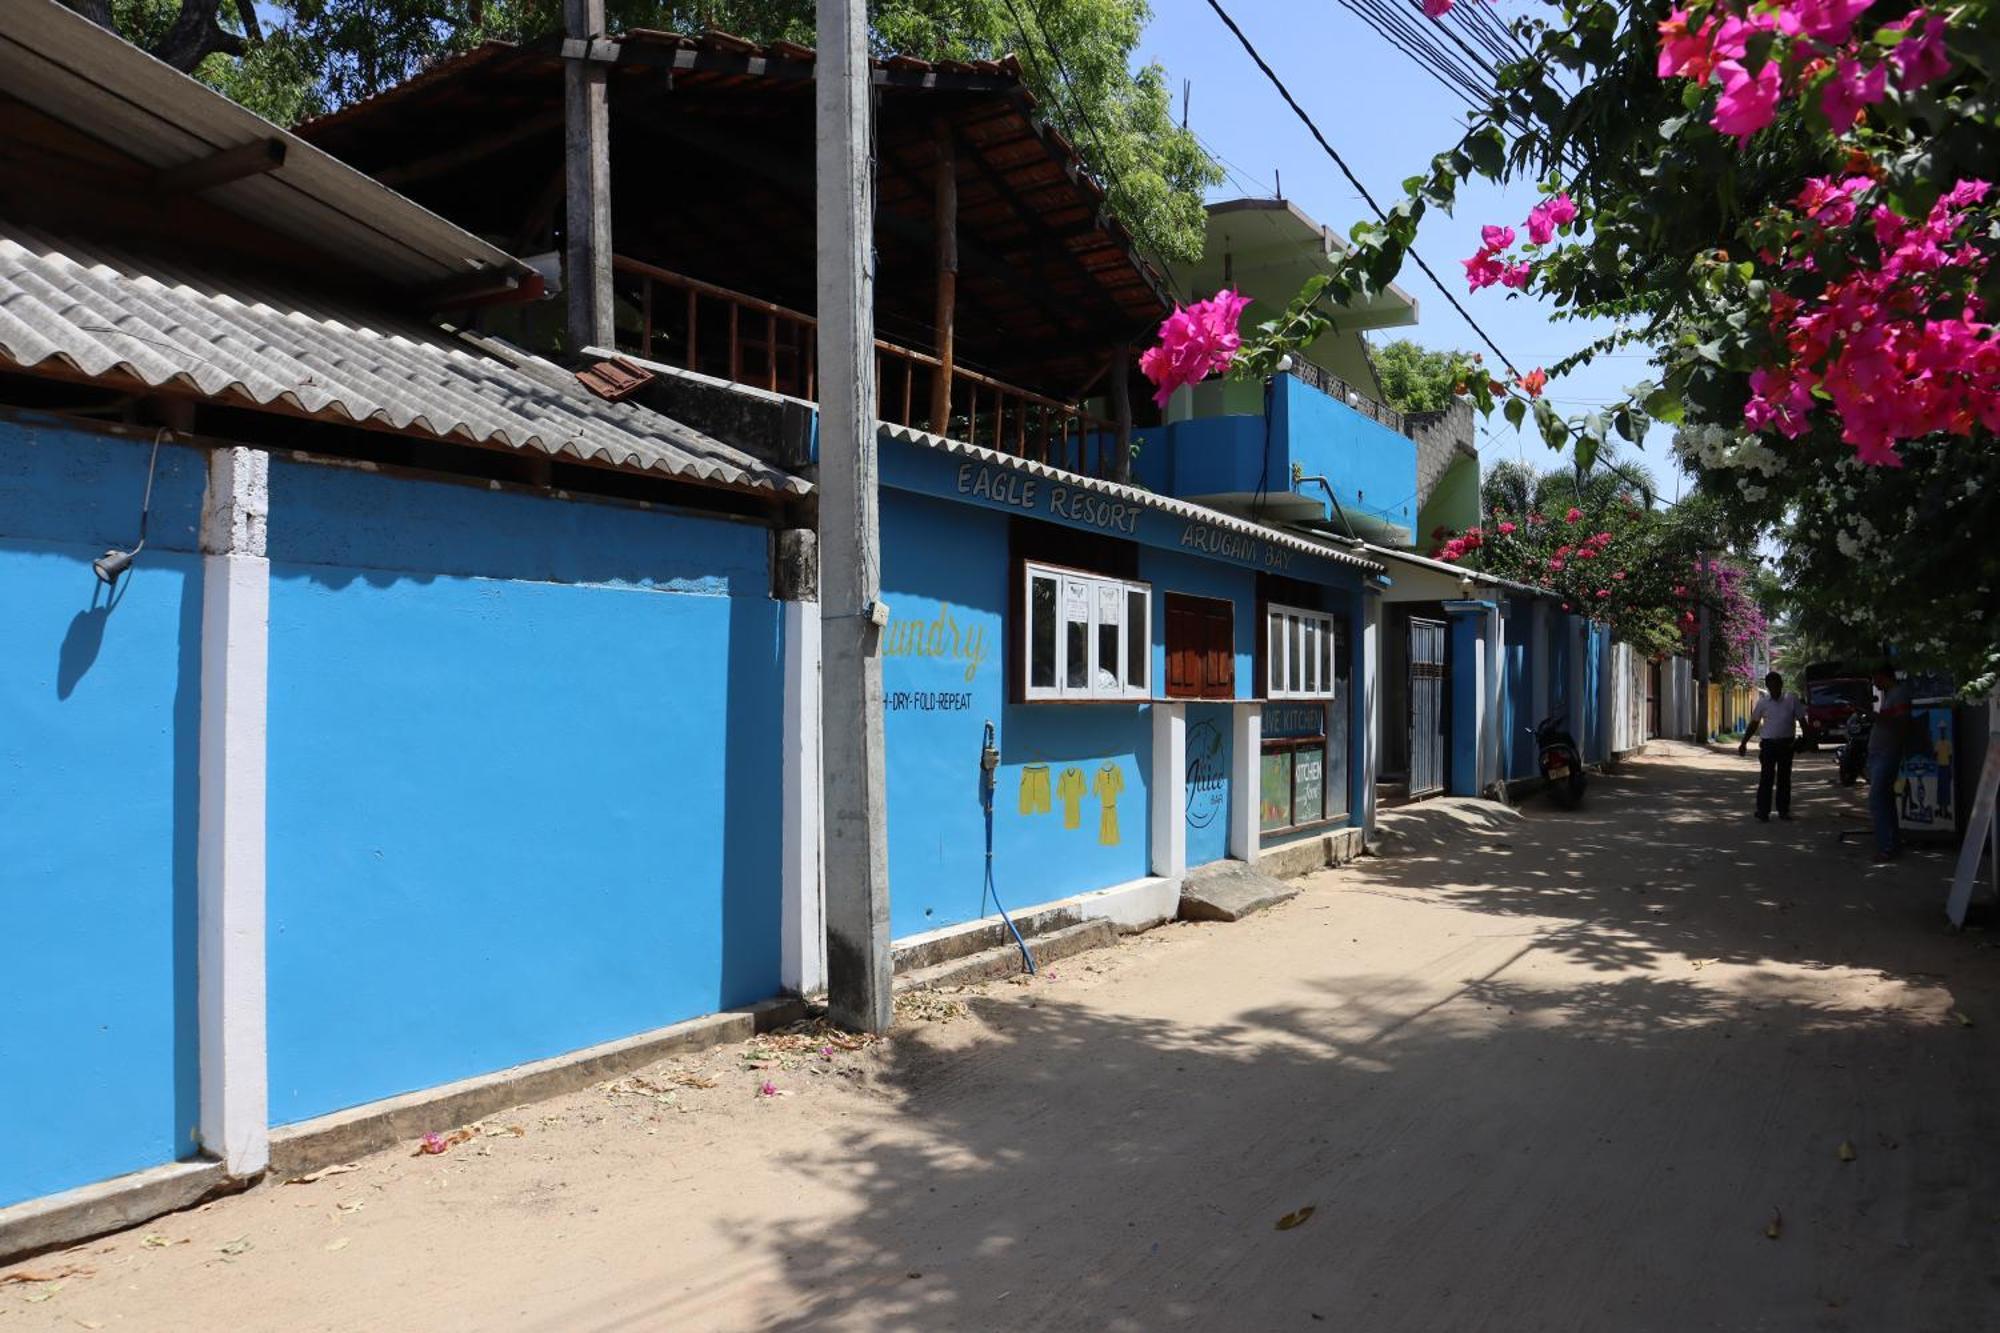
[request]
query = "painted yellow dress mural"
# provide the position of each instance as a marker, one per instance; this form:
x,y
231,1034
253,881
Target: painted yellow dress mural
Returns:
x,y
1070,788
1109,782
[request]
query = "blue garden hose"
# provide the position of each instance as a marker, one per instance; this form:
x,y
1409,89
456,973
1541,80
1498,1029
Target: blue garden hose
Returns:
x,y
989,765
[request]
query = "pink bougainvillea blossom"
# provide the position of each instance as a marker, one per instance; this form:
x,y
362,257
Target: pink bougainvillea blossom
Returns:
x,y
1483,270
1832,202
1196,341
1505,529
1437,9
1545,217
1495,238
1517,275
1852,87
1920,59
1534,382
1830,21
1748,100
1574,515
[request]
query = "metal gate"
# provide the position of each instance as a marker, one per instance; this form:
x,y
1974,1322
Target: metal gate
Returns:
x,y
1427,707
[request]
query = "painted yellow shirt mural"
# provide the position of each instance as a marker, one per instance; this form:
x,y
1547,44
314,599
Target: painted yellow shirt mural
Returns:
x,y
1070,788
1108,784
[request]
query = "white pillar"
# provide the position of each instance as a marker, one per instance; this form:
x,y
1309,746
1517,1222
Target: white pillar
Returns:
x,y
802,961
1169,796
229,876
1247,743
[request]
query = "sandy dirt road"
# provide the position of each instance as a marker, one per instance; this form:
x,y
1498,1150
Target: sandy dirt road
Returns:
x,y
1561,1076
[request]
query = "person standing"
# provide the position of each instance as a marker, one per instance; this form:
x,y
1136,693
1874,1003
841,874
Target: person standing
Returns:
x,y
1885,760
1775,718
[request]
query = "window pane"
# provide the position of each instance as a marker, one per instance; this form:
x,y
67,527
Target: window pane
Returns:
x,y
1275,790
1326,637
1295,676
1076,634
1136,645
1110,610
1312,656
1041,632
1309,784
1274,660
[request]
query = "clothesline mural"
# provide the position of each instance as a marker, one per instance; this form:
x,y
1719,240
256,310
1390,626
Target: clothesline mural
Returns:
x,y
1070,788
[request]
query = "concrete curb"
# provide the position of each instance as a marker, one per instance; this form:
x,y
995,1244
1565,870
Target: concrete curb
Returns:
x,y
1302,857
1051,947
357,1131
56,1220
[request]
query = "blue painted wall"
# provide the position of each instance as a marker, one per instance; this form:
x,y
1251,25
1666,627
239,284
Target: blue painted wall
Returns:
x,y
99,722
1468,653
945,579
1560,636
1517,690
1211,794
1373,469
524,775
1596,744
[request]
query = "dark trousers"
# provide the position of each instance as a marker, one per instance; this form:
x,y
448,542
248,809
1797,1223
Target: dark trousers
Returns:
x,y
1774,762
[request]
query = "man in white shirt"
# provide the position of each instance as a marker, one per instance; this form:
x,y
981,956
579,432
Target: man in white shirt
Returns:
x,y
1776,718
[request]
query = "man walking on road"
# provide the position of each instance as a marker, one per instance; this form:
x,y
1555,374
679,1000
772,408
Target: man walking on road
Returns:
x,y
1776,718
1885,760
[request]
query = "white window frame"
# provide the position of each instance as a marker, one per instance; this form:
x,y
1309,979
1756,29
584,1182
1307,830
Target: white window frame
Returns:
x,y
1315,628
1094,586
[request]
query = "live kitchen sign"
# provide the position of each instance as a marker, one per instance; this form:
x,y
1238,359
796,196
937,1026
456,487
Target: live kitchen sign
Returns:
x,y
1009,489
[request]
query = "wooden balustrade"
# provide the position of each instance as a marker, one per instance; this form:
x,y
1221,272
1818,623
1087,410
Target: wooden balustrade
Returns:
x,y
715,331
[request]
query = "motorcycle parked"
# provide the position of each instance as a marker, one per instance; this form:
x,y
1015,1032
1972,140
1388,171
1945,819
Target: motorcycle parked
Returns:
x,y
1561,761
1852,756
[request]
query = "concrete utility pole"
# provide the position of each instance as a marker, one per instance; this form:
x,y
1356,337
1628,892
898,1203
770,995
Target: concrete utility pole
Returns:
x,y
1701,719
586,179
851,613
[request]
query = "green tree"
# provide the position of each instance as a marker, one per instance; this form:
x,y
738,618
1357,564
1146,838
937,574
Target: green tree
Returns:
x,y
313,56
1416,378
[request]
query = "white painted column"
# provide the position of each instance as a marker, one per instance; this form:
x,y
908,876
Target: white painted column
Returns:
x,y
1169,796
235,640
1246,746
802,950
1361,799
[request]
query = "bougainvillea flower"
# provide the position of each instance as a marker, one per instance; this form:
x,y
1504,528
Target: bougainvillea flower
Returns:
x,y
1852,87
1545,217
1748,100
1574,515
1684,50
1534,382
1196,341
1920,59
1437,9
1483,270
1829,21
1496,238
1517,275
1832,202
1506,529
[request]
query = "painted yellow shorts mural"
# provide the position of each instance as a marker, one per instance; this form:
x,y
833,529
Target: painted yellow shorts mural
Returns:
x,y
1035,789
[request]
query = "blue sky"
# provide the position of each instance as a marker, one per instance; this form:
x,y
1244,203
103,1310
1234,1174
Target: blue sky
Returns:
x,y
1387,117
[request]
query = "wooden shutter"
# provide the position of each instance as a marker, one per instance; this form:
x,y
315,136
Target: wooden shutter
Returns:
x,y
1219,650
1184,643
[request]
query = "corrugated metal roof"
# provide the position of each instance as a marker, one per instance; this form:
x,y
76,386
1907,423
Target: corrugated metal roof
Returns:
x,y
1166,504
1456,571
68,68
114,317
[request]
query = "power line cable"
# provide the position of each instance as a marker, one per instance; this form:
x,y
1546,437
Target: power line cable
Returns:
x,y
1353,180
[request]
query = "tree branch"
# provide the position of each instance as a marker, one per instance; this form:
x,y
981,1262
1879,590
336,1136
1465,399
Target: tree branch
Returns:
x,y
195,36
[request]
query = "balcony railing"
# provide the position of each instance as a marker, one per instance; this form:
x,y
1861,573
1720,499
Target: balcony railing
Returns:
x,y
1332,385
715,331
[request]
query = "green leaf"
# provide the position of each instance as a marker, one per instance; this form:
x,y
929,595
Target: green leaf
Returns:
x,y
1515,410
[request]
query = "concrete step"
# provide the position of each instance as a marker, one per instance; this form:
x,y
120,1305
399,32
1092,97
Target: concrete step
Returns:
x,y
1229,891
1049,947
962,941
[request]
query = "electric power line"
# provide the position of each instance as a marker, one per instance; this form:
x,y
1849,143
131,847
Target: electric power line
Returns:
x,y
1341,163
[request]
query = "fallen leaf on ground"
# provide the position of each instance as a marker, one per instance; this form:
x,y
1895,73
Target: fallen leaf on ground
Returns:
x,y
1776,1225
695,1080
52,1275
1963,1021
334,1246
314,1177
153,1240
1845,1152
237,1246
40,1294
1297,1217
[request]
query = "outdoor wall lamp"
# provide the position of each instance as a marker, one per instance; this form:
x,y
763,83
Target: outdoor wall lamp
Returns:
x,y
1465,586
114,561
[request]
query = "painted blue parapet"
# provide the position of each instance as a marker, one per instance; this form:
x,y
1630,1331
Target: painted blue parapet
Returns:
x,y
524,779
99,719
